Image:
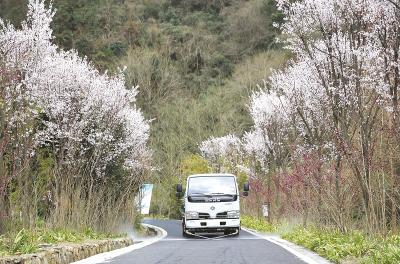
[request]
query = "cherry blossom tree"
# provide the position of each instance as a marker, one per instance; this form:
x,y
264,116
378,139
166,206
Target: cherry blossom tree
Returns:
x,y
221,151
386,34
328,106
335,37
57,100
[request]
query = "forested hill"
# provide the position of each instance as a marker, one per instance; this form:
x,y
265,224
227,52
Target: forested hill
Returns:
x,y
196,61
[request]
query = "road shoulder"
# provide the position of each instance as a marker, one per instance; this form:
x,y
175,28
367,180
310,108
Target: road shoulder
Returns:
x,y
302,253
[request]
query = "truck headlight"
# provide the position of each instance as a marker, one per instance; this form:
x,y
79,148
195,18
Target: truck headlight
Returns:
x,y
233,214
192,215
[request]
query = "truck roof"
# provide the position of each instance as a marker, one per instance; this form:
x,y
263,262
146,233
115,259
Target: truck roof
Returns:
x,y
211,174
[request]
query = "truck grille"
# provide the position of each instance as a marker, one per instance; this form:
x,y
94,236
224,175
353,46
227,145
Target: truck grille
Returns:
x,y
222,215
204,216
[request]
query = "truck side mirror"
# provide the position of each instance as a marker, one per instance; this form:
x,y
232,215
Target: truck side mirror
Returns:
x,y
179,190
246,187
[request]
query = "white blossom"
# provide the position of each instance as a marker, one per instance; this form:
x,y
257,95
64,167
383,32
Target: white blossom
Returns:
x,y
220,147
82,110
267,106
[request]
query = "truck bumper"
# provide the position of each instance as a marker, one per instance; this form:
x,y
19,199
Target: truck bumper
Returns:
x,y
212,224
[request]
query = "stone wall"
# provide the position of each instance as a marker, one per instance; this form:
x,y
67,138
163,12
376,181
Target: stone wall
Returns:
x,y
67,253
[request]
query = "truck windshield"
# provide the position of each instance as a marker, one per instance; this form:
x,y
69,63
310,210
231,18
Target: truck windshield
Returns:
x,y
212,185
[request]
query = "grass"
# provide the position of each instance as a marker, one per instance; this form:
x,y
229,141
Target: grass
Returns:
x,y
338,247
29,241
355,246
257,224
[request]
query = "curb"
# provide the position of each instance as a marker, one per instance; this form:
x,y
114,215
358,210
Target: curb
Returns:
x,y
160,234
302,253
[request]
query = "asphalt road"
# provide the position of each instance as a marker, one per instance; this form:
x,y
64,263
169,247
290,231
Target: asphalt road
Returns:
x,y
246,248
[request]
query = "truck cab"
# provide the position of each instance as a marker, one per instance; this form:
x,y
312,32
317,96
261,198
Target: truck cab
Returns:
x,y
211,204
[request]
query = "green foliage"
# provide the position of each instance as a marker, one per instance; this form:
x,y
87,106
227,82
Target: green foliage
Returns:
x,y
249,26
241,178
334,245
151,10
3,248
45,166
221,66
194,164
23,243
205,20
337,246
13,10
257,224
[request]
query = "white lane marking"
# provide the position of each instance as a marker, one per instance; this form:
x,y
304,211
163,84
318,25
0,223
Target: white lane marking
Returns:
x,y
305,255
107,256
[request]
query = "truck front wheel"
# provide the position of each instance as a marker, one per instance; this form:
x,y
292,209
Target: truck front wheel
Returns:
x,y
233,232
184,230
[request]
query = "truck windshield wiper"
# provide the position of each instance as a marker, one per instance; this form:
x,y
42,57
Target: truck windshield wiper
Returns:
x,y
222,194
199,194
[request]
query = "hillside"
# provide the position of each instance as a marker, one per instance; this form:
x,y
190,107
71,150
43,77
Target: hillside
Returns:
x,y
300,101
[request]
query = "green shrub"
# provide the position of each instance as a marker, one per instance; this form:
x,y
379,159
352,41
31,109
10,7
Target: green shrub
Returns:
x,y
193,164
151,10
3,249
221,66
171,16
84,46
23,242
118,48
200,17
337,246
257,224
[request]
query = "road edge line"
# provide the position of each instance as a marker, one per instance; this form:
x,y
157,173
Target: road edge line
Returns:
x,y
106,256
306,255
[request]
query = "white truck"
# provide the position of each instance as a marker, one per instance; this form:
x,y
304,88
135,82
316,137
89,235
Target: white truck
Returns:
x,y
211,204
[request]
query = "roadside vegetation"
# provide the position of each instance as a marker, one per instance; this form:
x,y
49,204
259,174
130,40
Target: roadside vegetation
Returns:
x,y
258,224
351,247
331,243
26,241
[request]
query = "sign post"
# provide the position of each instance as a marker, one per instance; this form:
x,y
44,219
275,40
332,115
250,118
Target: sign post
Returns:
x,y
265,210
145,198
